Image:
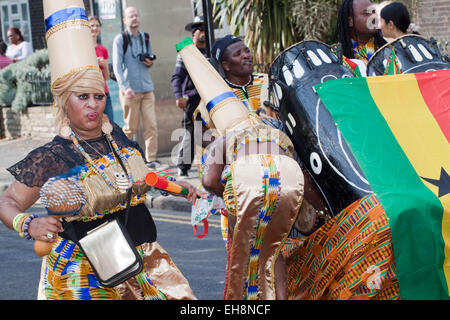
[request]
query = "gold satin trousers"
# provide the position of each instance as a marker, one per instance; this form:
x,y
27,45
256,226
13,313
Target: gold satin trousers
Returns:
x,y
265,193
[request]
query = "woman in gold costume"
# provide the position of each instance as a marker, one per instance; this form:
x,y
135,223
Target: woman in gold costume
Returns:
x,y
89,142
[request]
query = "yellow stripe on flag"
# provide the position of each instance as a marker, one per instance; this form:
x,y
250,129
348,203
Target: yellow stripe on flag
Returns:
x,y
400,102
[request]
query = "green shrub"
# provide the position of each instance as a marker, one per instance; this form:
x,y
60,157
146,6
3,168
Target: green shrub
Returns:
x,y
26,82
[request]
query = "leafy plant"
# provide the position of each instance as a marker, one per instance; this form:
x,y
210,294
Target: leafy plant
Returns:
x,y
270,26
18,81
315,20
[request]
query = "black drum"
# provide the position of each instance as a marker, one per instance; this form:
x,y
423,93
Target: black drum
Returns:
x,y
414,53
320,147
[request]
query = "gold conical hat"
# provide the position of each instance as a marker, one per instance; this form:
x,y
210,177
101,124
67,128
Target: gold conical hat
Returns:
x,y
69,40
223,107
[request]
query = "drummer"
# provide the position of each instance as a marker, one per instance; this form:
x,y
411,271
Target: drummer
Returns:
x,y
357,32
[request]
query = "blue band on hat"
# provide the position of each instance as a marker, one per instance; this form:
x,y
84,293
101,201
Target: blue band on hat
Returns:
x,y
219,99
65,15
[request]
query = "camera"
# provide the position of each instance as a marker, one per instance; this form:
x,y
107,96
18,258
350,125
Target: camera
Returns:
x,y
144,56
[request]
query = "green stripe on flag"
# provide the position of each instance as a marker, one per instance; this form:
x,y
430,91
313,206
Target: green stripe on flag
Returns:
x,y
414,212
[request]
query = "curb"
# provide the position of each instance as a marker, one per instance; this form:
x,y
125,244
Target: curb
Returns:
x,y
169,203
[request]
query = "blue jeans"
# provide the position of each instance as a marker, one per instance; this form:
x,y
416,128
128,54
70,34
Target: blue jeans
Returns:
x,y
108,107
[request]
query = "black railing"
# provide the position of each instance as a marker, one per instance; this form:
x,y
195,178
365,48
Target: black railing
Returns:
x,y
39,89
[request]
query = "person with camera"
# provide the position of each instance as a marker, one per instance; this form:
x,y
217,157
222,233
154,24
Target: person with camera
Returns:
x,y
130,65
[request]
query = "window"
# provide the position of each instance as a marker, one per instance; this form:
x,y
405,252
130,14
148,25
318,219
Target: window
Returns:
x,y
15,14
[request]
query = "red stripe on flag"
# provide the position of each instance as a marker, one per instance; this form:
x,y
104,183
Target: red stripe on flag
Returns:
x,y
435,89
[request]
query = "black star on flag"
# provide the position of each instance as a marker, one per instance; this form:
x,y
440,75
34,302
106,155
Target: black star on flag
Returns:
x,y
443,183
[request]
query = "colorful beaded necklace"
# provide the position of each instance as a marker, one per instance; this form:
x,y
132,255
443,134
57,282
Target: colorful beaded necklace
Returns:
x,y
112,159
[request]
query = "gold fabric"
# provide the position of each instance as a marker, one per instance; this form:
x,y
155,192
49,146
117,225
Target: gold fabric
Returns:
x,y
73,62
83,81
247,186
164,274
100,196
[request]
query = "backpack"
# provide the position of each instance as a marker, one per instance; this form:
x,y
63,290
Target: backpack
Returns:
x,y
126,40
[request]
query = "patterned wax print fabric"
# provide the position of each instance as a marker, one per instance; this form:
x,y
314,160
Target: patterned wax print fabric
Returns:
x,y
363,51
392,64
250,94
349,257
67,275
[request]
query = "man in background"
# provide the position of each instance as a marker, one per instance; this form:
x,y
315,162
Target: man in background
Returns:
x,y
357,32
130,64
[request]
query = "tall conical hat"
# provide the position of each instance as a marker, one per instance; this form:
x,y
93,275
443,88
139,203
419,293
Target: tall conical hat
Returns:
x,y
224,108
69,39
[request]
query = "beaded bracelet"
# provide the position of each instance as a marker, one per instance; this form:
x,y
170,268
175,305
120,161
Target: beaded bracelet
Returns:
x,y
21,223
26,226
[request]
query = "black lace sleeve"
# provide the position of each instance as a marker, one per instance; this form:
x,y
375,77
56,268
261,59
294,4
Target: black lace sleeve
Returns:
x,y
61,155
38,166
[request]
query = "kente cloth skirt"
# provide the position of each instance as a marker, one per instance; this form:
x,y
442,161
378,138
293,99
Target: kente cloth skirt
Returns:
x,y
349,257
67,275
264,192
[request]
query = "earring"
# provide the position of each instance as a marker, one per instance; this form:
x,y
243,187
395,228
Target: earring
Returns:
x,y
106,125
65,130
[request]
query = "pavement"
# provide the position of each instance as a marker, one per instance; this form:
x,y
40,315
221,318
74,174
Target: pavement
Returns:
x,y
14,150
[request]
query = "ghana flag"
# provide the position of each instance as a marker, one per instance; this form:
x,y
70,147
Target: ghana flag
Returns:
x,y
398,128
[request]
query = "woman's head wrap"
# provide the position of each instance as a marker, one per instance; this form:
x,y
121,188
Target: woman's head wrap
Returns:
x,y
73,62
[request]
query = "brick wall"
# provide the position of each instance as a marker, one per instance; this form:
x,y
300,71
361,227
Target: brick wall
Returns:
x,y
36,121
433,17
